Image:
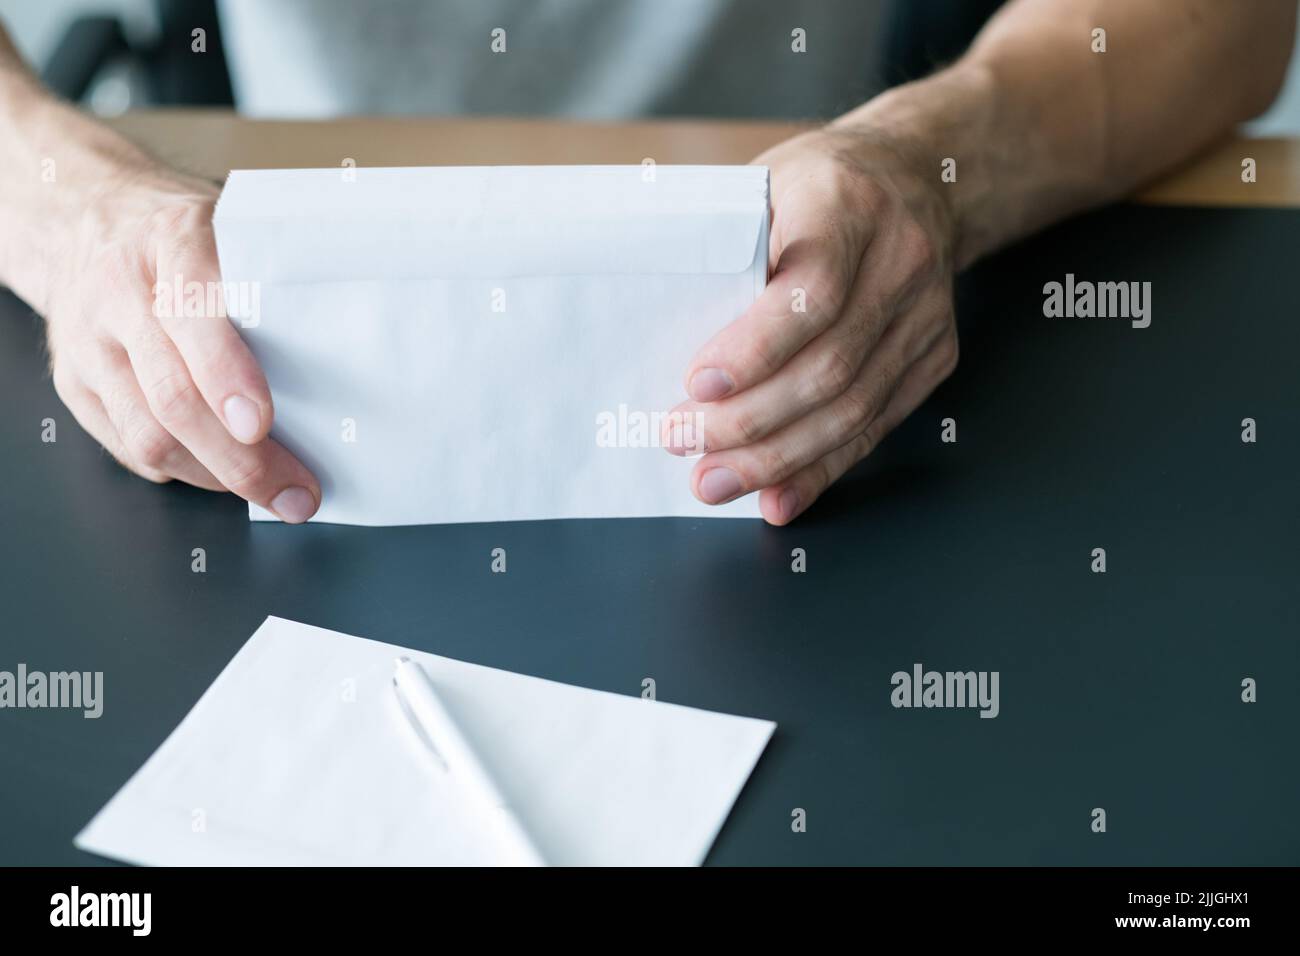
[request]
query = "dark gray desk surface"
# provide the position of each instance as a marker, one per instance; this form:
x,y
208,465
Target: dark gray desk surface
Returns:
x,y
1119,690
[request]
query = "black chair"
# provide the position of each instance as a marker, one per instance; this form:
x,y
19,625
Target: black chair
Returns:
x,y
174,75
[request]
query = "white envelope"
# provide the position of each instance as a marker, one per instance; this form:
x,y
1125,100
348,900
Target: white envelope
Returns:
x,y
489,343
299,754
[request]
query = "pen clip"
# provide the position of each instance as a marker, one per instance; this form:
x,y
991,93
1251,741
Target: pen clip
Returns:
x,y
416,727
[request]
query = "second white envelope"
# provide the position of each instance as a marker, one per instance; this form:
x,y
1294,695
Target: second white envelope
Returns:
x,y
490,343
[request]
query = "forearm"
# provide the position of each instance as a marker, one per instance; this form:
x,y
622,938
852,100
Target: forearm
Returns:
x,y
1040,126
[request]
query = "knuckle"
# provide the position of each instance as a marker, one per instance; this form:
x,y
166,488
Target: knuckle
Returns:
x,y
745,426
185,226
122,455
773,465
920,253
171,398
824,289
835,372
866,442
865,398
866,191
150,474
821,475
887,377
854,413
761,356
117,406
886,388
150,447
245,475
947,355
64,381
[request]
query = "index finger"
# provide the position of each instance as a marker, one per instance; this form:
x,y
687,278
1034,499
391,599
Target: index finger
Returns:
x,y
190,305
265,473
815,266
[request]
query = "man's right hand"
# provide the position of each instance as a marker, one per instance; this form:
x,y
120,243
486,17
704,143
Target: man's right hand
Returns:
x,y
94,233
168,395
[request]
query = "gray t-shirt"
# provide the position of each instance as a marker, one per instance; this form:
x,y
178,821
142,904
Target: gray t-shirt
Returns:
x,y
587,59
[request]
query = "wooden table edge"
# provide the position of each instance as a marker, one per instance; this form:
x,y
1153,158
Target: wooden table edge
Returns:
x,y
212,141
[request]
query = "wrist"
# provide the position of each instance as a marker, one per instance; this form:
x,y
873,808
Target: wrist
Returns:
x,y
943,128
59,170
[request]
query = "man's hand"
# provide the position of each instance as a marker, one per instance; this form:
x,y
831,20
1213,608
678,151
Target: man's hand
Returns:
x,y
95,236
1042,124
168,393
853,331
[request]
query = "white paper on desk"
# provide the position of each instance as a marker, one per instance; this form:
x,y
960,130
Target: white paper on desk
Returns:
x,y
475,324
299,754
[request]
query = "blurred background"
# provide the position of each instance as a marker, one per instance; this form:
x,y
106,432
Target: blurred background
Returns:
x,y
115,55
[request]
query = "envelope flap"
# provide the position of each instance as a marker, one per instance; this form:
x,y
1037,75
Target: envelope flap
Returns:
x,y
487,221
